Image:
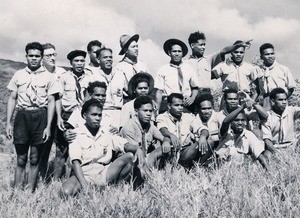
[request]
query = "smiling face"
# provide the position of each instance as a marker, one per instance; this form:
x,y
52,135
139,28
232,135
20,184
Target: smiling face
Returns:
x,y
198,48
105,59
268,56
176,53
93,117
34,59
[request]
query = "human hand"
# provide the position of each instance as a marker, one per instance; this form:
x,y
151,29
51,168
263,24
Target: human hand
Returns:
x,y
46,134
60,123
113,130
70,135
188,101
166,147
202,145
175,141
9,131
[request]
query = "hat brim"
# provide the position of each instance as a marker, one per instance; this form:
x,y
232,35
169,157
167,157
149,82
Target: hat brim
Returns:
x,y
132,38
168,44
131,81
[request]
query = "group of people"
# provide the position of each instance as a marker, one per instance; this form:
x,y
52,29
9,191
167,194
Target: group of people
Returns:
x,y
117,122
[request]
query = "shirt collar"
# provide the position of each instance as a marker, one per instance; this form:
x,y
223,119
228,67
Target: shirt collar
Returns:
x,y
127,60
270,67
39,70
173,119
136,120
195,58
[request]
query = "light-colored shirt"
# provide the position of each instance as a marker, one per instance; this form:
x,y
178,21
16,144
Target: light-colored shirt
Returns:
x,y
240,77
238,146
124,71
33,87
202,66
133,132
186,129
128,112
71,96
213,125
167,79
94,149
58,71
275,76
108,120
280,129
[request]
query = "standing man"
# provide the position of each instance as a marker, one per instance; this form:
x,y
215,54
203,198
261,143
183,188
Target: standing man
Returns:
x,y
73,89
237,74
49,62
204,64
176,77
273,75
92,48
32,93
106,73
126,68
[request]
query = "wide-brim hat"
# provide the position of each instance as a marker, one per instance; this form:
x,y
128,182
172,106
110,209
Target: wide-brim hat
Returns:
x,y
76,53
170,42
135,77
125,41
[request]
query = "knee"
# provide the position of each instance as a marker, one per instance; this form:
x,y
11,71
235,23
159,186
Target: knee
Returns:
x,y
128,157
66,191
22,161
34,159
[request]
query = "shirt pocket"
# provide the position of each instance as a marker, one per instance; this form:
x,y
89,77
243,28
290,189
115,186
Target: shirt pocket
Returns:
x,y
22,87
41,90
69,91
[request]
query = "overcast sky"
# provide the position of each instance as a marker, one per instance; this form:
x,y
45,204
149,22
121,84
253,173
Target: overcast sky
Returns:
x,y
71,24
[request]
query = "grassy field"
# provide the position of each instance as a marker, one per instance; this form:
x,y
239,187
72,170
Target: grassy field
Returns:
x,y
233,190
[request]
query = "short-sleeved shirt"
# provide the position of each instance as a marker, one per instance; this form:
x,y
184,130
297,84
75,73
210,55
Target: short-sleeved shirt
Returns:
x,y
72,95
58,71
93,70
128,112
124,71
186,129
245,144
202,66
33,87
167,79
94,149
213,125
133,132
103,77
280,129
275,76
240,77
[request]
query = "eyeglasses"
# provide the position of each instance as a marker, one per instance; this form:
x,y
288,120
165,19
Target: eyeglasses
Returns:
x,y
50,55
36,56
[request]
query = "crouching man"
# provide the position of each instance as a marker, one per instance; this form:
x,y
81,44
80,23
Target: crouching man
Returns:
x,y
238,142
91,153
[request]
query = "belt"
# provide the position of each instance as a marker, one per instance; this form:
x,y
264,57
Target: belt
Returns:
x,y
32,108
204,89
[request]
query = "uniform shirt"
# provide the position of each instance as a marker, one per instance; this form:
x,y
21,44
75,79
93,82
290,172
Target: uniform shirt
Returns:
x,y
133,132
94,149
73,94
124,71
33,87
93,70
213,125
202,66
275,76
186,129
107,120
103,77
128,112
280,129
167,79
234,76
58,71
245,144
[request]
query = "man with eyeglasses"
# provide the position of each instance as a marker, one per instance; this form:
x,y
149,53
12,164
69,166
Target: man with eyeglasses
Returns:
x,y
73,85
203,64
49,62
32,91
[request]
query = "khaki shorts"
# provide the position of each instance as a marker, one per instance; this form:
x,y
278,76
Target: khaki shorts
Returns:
x,y
95,173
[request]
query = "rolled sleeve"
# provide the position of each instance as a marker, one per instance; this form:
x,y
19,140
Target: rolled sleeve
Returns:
x,y
159,81
118,143
257,147
266,130
75,152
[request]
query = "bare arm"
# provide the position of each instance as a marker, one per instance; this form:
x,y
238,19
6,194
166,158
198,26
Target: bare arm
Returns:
x,y
262,113
191,99
50,114
263,161
174,139
60,122
269,146
158,97
226,122
231,48
290,92
10,111
79,174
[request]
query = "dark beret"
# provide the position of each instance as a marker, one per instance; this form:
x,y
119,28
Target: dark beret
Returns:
x,y
76,53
